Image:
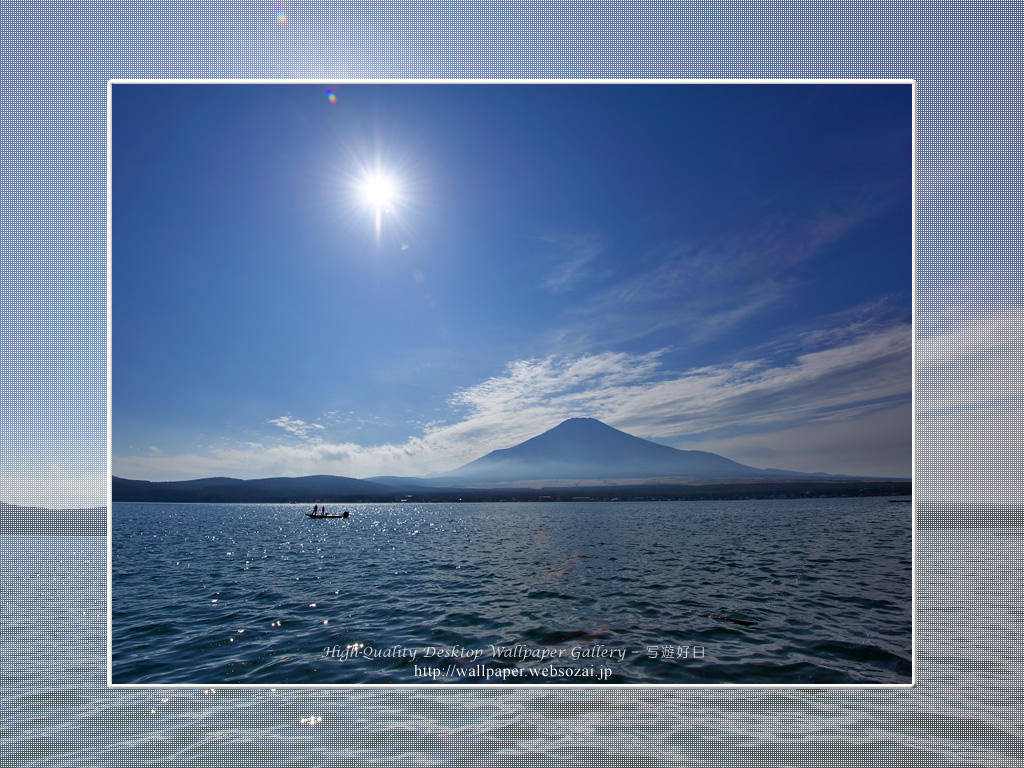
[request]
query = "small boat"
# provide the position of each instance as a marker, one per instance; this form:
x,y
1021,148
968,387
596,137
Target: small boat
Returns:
x,y
318,515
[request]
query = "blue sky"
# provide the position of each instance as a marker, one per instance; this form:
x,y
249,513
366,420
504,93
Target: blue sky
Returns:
x,y
716,267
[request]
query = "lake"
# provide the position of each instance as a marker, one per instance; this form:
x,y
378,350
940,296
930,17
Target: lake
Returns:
x,y
57,710
781,592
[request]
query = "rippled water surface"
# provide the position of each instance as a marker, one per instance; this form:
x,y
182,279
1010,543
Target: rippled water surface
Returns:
x,y
55,709
814,591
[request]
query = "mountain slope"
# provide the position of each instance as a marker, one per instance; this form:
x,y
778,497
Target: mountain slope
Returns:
x,y
589,449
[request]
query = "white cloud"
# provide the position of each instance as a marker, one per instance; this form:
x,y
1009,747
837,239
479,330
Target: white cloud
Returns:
x,y
273,459
297,427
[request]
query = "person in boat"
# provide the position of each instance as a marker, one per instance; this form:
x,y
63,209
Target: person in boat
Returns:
x,y
315,507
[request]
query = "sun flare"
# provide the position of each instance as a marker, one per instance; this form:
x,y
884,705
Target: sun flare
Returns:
x,y
379,191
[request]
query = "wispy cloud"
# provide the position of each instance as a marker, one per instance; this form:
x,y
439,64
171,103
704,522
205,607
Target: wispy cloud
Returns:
x,y
574,256
709,285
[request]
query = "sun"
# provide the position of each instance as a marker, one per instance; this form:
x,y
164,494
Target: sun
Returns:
x,y
379,192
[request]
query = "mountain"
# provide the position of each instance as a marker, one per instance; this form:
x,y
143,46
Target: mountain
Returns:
x,y
589,450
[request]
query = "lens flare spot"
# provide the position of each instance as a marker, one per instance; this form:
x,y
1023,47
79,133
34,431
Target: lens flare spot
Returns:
x,y
331,96
282,18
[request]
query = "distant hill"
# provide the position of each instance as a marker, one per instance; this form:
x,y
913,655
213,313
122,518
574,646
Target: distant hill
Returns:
x,y
270,490
37,521
399,483
587,449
